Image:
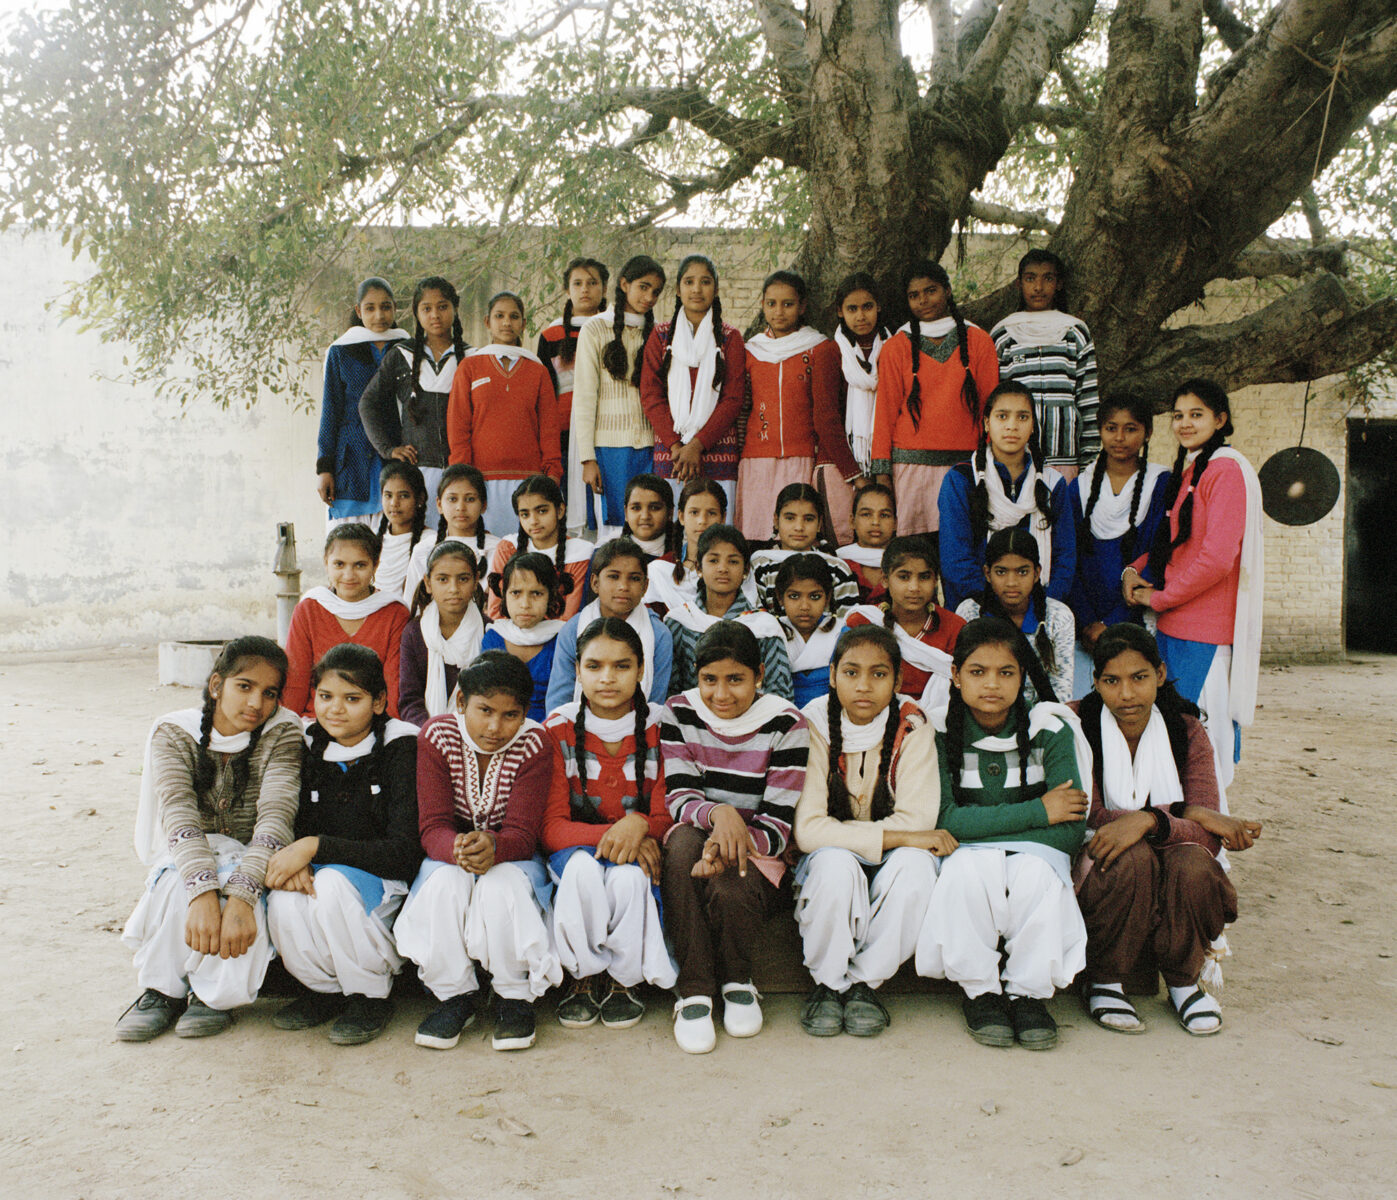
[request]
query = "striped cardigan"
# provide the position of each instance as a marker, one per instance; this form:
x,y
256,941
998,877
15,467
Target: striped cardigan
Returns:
x,y
761,775
1062,379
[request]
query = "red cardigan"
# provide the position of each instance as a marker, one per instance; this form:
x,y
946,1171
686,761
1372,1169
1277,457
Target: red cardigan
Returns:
x,y
654,389
945,425
314,631
609,789
793,409
504,422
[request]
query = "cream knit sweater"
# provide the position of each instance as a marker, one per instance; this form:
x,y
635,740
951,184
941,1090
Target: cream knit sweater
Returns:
x,y
606,411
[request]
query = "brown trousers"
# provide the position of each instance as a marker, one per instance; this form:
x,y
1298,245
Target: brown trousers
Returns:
x,y
714,923
1172,902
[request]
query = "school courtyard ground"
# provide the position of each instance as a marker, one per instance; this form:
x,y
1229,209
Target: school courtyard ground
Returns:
x,y
1296,1098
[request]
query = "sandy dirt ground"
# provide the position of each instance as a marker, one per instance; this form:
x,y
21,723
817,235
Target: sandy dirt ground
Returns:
x,y
1291,1100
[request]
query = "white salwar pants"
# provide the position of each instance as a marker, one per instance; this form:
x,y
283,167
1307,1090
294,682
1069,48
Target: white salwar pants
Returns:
x,y
453,919
857,930
331,942
605,918
164,961
985,893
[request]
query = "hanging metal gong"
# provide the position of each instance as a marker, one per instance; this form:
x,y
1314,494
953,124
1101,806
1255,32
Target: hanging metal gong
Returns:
x,y
1298,486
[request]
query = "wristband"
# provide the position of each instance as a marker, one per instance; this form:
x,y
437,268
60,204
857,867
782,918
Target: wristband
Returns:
x,y
1160,834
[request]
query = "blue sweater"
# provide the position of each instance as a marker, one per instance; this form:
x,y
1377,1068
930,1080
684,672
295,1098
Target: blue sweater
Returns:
x,y
343,448
540,667
1096,589
563,681
963,557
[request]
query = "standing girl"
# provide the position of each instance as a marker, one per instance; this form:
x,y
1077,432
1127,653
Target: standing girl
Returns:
x,y
460,516
693,380
1002,487
404,406
866,823
875,525
1011,796
1050,352
349,610
801,527
336,889
934,372
1210,567
605,823
702,503
734,761
803,587
483,774
218,796
1014,590
528,590
1118,502
926,633
538,506
1152,886
444,633
860,338
345,458
404,498
724,560
611,437
792,409
503,415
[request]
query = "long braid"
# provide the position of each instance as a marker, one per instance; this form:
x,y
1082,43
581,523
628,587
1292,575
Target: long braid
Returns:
x,y
1129,537
955,743
242,763
838,805
1025,747
614,357
646,330
560,555
204,767
1098,475
969,390
980,493
458,339
1164,546
1042,494
669,338
378,727
1089,713
567,352
382,529
588,810
419,517
643,802
1173,708
419,348
883,803
914,397
720,365
1042,643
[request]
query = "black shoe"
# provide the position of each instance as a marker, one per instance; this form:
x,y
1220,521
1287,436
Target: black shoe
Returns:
x,y
363,1019
1034,1026
441,1029
823,1014
579,1008
987,1018
864,1014
309,1009
620,1009
514,1025
200,1020
148,1017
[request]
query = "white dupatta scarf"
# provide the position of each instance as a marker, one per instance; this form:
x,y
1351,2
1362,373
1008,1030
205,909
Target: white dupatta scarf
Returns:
x,y
1111,516
351,610
1006,513
1046,328
766,348
639,620
457,650
856,739
1246,624
691,406
505,354
1151,776
861,394
536,635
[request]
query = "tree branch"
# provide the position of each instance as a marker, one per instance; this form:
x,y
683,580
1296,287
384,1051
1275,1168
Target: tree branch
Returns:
x,y
548,22
984,64
1076,93
1061,116
737,168
1234,31
945,52
973,25
1309,205
1266,259
999,214
743,135
784,32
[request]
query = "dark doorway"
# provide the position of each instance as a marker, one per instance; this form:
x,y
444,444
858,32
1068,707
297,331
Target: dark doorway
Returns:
x,y
1370,537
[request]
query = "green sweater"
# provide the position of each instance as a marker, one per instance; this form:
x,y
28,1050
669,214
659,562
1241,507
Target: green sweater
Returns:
x,y
989,811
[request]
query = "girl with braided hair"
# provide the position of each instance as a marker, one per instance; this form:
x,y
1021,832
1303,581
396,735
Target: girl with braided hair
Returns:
x,y
444,634
693,382
935,372
404,406
1002,487
528,589
400,530
603,828
459,516
1205,571
1152,885
542,515
865,822
1012,796
218,798
335,891
611,437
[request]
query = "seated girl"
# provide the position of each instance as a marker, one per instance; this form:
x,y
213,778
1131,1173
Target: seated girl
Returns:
x,y
333,893
648,520
619,581
529,588
1153,878
875,525
674,578
1014,590
734,762
1011,796
804,587
444,633
459,515
403,495
802,527
867,827
218,797
483,774
724,558
926,633
605,823
349,610
538,503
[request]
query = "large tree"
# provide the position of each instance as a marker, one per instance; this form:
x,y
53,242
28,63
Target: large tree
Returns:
x,y
216,156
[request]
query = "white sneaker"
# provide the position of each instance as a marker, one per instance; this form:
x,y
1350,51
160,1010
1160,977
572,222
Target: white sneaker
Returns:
x,y
693,1024
742,1014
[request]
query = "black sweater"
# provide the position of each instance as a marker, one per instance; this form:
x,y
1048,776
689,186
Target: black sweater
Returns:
x,y
376,832
385,408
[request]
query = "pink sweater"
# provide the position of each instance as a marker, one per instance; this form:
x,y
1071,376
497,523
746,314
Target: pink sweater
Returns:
x,y
1198,601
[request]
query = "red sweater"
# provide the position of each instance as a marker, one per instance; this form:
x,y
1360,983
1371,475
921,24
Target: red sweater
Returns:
x,y
550,346
945,424
513,810
577,571
793,409
314,631
654,389
504,422
948,627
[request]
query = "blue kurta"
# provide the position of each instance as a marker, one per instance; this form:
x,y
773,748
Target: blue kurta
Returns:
x,y
1096,589
343,448
540,668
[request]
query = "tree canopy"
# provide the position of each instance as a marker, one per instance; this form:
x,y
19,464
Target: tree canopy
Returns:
x,y
215,157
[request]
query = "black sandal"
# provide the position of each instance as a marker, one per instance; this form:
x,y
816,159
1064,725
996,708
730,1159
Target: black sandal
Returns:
x,y
1187,1016
1118,1006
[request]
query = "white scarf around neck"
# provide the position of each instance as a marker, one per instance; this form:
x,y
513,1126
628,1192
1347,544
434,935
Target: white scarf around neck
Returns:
x,y
639,620
351,610
654,547
692,405
357,335
633,320
1111,516
855,739
807,654
1007,514
861,394
536,635
393,561
575,550
1044,328
696,620
336,753
914,650
764,707
457,650
433,377
605,729
1152,776
865,556
766,348
937,329
504,353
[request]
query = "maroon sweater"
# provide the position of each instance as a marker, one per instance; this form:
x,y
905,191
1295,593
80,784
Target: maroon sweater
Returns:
x,y
514,801
412,675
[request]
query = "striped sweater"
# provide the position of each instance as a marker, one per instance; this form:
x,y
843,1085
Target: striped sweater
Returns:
x,y
766,565
1062,379
607,411
761,775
